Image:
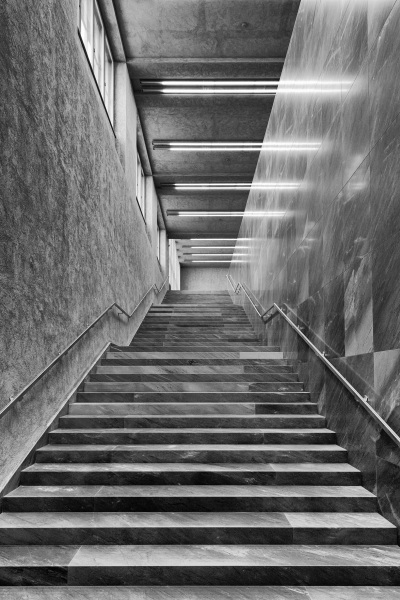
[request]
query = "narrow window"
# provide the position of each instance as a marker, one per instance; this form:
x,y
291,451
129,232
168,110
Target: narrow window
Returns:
x,y
108,79
86,27
98,48
94,39
158,242
140,186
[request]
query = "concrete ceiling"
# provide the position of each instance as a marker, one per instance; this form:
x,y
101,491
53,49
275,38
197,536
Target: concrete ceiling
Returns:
x,y
203,39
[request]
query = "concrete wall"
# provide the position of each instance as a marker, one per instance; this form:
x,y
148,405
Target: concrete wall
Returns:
x,y
72,237
196,278
334,256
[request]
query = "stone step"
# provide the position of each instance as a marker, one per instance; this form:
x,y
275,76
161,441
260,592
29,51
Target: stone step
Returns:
x,y
187,355
199,316
216,422
192,436
190,498
201,592
103,395
126,358
192,329
105,373
206,346
195,329
197,564
283,371
213,453
189,386
192,408
200,339
214,348
303,474
217,528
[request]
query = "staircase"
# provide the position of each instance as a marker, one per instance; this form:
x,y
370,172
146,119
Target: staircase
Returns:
x,y
193,466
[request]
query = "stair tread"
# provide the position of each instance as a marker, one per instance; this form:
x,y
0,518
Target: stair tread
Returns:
x,y
193,555
196,467
146,430
191,491
285,519
195,447
292,592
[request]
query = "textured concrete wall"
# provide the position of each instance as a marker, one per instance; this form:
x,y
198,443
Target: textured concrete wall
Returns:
x,y
334,255
196,278
72,236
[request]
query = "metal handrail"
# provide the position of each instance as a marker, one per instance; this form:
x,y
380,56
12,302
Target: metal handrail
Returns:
x,y
122,311
236,289
363,400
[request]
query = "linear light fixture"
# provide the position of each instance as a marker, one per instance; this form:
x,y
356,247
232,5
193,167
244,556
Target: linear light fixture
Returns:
x,y
218,239
216,261
232,187
185,87
221,213
217,254
214,247
238,146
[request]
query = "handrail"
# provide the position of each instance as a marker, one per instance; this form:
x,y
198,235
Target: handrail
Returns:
x,y
235,289
363,400
21,394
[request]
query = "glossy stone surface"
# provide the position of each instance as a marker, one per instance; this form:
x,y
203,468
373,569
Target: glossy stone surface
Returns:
x,y
333,255
170,473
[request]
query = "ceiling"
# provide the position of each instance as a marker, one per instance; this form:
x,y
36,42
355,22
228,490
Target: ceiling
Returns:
x,y
202,40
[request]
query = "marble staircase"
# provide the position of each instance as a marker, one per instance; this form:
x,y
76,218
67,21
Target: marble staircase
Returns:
x,y
194,466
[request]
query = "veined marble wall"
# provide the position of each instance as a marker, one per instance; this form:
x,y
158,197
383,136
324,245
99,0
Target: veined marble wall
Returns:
x,y
330,247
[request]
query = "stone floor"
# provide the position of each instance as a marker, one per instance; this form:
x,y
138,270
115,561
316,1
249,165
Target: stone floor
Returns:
x,y
194,466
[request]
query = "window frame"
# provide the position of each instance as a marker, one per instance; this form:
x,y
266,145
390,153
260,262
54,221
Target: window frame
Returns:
x,y
86,31
140,186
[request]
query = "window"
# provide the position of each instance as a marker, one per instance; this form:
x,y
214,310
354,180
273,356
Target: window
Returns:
x,y
97,48
140,186
158,242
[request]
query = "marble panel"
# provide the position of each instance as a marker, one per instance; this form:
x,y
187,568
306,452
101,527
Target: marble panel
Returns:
x,y
384,85
357,214
333,295
358,322
385,236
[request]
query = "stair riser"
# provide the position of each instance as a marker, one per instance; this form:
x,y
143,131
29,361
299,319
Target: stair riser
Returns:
x,y
265,575
125,359
214,348
286,373
108,375
121,386
119,408
143,437
192,354
132,455
198,397
189,478
305,422
116,503
165,337
199,535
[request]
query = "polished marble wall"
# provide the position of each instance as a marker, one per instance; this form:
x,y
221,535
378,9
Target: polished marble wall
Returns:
x,y
329,247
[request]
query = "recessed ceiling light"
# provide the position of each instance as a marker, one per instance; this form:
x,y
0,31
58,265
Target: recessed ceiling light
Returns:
x,y
216,213
229,146
209,86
